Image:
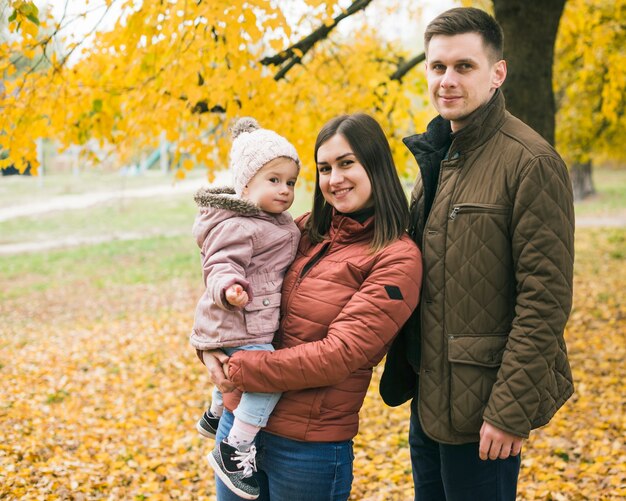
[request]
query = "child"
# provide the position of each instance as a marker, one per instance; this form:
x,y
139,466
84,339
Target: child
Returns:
x,y
247,242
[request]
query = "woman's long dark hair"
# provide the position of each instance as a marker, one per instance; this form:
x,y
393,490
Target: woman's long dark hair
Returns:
x,y
371,148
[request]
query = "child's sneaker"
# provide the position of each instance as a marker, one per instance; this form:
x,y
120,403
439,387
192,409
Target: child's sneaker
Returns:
x,y
235,466
207,425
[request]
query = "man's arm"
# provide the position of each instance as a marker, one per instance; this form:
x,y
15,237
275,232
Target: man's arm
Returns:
x,y
542,247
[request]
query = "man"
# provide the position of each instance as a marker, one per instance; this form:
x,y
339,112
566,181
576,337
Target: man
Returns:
x,y
483,356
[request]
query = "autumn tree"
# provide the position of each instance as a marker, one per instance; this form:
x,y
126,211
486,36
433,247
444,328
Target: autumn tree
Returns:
x,y
530,29
591,86
186,69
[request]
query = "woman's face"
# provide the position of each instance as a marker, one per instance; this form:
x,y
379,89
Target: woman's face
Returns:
x,y
342,179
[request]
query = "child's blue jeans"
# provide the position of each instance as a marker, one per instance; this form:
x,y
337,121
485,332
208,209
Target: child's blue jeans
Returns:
x,y
253,408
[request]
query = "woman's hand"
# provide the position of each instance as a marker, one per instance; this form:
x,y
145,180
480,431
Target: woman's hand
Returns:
x,y
216,362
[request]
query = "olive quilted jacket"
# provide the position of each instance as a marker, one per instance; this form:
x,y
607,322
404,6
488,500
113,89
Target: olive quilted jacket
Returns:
x,y
486,343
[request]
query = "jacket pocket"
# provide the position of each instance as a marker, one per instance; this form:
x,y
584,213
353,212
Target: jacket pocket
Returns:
x,y
474,363
480,285
262,314
478,208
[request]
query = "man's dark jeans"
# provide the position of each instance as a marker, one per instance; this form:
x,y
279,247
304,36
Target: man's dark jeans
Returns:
x,y
455,472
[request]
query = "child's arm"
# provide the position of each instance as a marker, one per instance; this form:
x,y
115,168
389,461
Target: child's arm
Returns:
x,y
226,255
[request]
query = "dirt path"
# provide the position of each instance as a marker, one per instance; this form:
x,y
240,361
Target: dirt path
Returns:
x,y
70,241
617,221
74,202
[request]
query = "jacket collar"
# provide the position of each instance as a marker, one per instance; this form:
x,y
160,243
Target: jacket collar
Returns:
x,y
343,228
224,198
483,124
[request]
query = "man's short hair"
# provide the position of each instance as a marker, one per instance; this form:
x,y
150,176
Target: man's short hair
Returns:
x,y
462,20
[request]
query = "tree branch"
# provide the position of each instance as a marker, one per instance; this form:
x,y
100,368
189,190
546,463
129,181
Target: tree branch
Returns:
x,y
401,71
406,66
294,54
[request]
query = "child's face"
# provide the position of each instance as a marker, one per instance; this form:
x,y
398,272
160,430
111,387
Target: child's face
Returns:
x,y
272,187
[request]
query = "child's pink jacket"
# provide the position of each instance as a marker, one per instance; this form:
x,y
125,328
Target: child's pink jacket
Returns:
x,y
240,244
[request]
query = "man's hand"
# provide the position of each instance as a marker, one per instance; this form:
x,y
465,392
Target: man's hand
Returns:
x,y
236,296
216,362
495,443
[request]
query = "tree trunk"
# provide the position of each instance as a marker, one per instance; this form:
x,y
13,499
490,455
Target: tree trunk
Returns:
x,y
582,182
530,28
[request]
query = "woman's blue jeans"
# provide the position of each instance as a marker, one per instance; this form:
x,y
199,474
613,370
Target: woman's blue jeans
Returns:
x,y
455,472
289,470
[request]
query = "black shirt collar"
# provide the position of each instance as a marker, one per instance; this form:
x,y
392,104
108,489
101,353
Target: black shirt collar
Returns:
x,y
360,216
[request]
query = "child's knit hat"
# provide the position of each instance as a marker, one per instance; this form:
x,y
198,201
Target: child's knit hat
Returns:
x,y
252,148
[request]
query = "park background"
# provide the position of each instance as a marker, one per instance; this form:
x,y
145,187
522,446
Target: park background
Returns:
x,y
115,112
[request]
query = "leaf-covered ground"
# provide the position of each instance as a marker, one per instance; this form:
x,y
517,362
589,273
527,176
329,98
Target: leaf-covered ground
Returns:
x,y
100,391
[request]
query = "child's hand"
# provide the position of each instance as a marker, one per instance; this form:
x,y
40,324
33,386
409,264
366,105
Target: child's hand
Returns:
x,y
236,296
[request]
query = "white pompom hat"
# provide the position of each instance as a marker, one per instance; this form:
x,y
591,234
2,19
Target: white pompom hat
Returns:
x,y
252,148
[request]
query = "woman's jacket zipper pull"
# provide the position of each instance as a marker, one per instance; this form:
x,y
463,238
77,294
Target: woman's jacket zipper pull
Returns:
x,y
454,212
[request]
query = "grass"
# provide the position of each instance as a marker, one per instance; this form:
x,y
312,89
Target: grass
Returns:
x,y
29,189
611,194
172,214
117,263
158,215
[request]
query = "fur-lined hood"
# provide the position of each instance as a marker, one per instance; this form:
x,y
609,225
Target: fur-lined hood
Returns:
x,y
224,197
218,204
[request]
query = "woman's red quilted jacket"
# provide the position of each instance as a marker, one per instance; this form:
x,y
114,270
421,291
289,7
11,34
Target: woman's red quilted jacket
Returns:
x,y
341,308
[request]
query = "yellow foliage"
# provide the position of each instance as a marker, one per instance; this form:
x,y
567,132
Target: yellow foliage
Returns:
x,y
165,62
25,17
100,391
188,69
590,80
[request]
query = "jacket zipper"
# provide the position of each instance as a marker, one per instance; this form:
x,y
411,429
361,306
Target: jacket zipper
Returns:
x,y
313,261
499,209
305,269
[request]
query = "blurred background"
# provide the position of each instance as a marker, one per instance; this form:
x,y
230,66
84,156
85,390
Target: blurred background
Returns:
x,y
115,112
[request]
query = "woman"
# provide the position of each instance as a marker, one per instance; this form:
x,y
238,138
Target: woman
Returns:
x,y
354,282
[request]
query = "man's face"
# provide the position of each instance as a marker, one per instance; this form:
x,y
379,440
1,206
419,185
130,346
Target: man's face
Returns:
x,y
461,75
